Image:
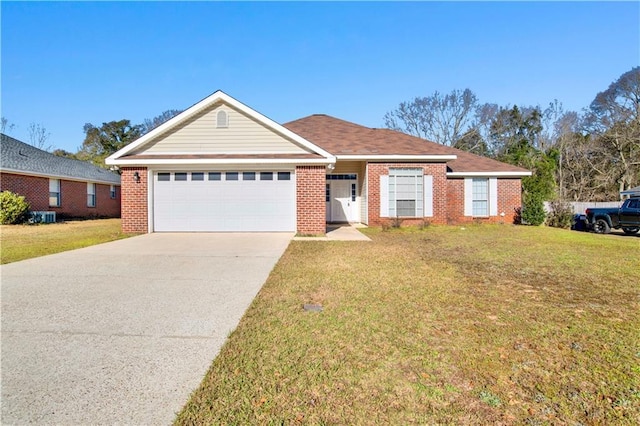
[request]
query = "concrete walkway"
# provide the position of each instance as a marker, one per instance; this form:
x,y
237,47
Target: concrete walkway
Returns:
x,y
123,332
340,232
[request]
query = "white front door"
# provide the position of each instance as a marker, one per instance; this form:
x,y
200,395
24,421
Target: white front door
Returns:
x,y
343,206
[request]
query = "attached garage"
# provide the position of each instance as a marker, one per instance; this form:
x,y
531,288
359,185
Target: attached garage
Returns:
x,y
224,201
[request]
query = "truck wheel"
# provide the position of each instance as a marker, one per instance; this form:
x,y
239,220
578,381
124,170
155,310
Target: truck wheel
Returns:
x,y
631,231
601,227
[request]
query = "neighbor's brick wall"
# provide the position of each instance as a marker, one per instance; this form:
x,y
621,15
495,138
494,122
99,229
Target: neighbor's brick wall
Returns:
x,y
34,189
310,200
437,170
73,196
134,200
509,199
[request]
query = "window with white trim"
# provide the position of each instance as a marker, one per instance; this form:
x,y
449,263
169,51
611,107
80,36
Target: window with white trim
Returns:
x,y
91,194
480,197
406,193
54,192
112,191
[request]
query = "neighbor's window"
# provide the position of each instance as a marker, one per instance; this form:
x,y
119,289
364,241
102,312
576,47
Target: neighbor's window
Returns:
x,y
406,193
112,191
91,194
54,192
222,120
481,197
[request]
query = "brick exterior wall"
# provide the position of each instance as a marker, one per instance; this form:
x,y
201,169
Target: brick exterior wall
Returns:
x,y
134,200
509,199
73,196
310,200
437,170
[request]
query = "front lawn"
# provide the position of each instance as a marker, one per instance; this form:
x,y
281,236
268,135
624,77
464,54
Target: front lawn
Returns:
x,y
19,242
483,325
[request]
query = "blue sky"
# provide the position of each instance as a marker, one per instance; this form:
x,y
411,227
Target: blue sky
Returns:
x,y
67,64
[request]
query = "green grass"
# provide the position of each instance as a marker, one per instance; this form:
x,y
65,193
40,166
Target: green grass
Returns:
x,y
19,242
483,325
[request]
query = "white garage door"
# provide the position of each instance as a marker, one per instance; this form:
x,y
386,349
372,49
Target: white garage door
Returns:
x,y
231,201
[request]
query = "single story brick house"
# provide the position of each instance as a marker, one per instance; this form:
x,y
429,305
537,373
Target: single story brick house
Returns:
x,y
222,166
68,187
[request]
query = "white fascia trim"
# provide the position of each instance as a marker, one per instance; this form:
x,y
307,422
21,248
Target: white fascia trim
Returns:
x,y
61,177
195,161
439,158
488,174
206,102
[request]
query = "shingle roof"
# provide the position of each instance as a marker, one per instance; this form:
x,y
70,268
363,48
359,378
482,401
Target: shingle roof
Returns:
x,y
21,157
341,137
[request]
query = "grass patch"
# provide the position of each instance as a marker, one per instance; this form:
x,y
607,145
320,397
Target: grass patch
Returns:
x,y
483,325
20,242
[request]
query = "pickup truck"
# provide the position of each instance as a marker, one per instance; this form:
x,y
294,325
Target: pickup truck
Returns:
x,y
626,217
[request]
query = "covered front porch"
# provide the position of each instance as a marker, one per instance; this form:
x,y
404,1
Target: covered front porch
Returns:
x,y
345,193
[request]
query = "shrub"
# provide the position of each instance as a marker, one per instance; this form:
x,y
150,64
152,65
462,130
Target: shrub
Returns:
x,y
13,208
561,214
533,210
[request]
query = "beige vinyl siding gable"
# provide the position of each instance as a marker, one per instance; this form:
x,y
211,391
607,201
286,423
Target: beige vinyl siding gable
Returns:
x,y
200,135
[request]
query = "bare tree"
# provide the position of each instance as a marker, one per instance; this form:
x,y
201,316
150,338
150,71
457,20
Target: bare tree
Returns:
x,y
440,118
6,126
151,123
614,119
39,137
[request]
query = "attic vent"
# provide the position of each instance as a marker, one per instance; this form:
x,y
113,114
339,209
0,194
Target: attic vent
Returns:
x,y
222,120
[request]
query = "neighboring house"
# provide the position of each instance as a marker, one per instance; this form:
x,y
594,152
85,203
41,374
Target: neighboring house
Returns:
x,y
71,188
221,166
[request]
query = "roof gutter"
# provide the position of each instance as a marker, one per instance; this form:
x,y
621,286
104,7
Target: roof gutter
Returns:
x,y
203,161
398,157
55,176
489,174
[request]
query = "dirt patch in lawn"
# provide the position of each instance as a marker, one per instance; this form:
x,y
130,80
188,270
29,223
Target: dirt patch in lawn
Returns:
x,y
482,325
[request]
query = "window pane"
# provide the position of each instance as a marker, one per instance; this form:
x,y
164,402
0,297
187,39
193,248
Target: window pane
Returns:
x,y
54,185
180,176
164,177
54,199
353,192
266,175
197,176
480,208
406,208
248,175
284,175
480,197
215,176
327,193
231,176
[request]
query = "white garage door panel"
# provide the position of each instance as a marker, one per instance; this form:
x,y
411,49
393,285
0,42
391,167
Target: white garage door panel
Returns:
x,y
224,206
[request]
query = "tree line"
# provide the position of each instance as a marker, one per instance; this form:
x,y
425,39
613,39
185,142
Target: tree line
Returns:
x,y
591,155
101,142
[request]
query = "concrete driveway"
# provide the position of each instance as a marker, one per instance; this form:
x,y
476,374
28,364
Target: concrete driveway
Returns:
x,y
123,332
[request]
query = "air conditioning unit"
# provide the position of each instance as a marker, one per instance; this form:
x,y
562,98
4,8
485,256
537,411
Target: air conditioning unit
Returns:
x,y
43,217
